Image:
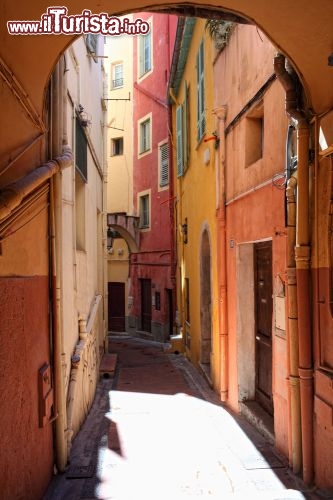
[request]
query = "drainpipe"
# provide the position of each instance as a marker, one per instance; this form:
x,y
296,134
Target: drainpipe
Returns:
x,y
302,257
294,384
222,259
56,237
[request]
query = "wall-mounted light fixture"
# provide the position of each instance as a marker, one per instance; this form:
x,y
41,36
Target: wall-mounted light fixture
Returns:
x,y
83,116
109,238
185,230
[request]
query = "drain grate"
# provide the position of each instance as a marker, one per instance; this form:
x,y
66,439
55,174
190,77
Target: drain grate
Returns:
x,y
266,459
80,471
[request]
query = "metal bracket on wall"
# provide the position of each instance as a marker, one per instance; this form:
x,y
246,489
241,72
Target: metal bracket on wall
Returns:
x,y
45,395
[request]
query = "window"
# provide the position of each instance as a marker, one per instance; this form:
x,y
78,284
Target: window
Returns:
x,y
145,136
145,54
81,150
117,75
144,211
117,146
254,135
91,44
201,122
164,164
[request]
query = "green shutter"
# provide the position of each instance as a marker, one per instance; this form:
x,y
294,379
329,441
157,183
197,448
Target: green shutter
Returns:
x,y
201,122
179,128
186,127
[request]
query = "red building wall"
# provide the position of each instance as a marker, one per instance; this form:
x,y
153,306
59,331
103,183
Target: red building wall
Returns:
x,y
154,259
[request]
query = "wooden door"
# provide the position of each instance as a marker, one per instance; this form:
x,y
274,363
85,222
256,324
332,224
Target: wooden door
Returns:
x,y
116,307
146,305
263,318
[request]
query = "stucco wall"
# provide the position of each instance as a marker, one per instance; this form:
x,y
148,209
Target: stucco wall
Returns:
x,y
26,458
197,202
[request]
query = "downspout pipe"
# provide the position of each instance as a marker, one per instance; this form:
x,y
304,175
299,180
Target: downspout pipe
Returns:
x,y
302,257
294,382
221,113
58,134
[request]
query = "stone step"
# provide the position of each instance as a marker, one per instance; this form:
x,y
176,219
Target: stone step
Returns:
x,y
108,365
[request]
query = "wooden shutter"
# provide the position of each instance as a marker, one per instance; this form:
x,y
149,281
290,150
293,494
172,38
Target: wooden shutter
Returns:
x,y
164,164
179,129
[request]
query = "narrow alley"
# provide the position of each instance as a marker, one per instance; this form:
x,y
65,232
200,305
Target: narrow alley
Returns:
x,y
157,431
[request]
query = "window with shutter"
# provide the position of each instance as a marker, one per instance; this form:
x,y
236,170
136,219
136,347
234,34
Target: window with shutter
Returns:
x,y
117,75
179,129
144,211
164,164
145,53
145,136
91,44
201,122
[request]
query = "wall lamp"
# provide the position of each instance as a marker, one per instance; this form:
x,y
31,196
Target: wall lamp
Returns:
x,y
185,230
111,235
83,116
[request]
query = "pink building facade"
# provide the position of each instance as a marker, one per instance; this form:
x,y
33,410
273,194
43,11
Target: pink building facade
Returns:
x,y
151,297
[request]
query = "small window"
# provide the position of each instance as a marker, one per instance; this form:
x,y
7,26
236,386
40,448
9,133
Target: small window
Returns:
x,y
91,44
254,135
145,136
164,164
145,53
117,75
117,146
144,211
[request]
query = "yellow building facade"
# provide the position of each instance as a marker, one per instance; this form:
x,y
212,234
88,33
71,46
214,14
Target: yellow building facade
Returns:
x,y
194,141
119,151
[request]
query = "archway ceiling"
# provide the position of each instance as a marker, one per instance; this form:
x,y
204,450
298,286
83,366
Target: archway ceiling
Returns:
x,y
301,29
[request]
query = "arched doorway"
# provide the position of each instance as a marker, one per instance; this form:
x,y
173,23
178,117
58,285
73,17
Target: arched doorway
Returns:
x,y
205,304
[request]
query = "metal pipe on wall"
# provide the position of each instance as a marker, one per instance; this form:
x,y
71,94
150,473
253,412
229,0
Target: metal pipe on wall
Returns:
x,y
222,258
302,258
294,383
56,235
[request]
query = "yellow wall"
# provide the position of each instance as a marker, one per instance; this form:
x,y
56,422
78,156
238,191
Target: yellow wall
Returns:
x,y
118,265
120,124
196,202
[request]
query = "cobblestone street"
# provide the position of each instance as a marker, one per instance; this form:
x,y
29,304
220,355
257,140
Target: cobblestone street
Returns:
x,y
157,431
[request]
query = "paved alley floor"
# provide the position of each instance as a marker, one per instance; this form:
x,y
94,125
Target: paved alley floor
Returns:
x,y
156,431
